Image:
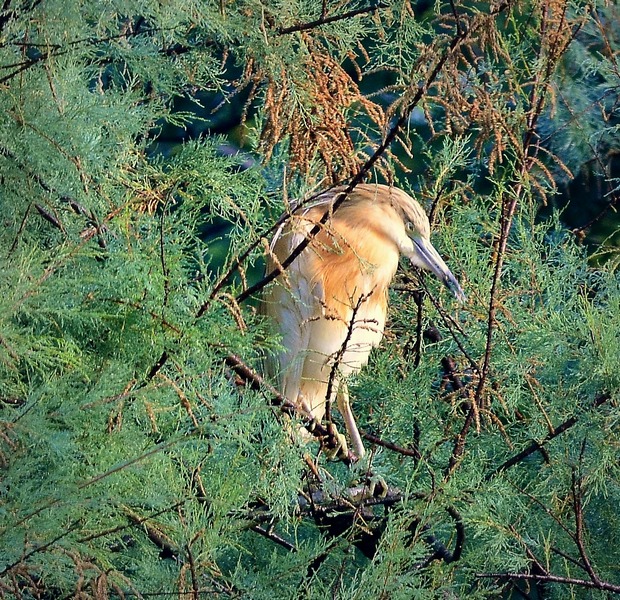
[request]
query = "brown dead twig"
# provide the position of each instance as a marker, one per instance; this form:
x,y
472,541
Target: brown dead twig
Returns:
x,y
313,109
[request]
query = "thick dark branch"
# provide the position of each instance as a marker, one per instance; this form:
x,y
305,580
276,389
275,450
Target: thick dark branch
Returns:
x,y
324,20
441,552
161,361
460,532
50,217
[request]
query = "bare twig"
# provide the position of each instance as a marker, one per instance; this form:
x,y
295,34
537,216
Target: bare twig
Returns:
x,y
50,217
373,439
42,548
577,495
452,325
333,374
459,442
274,537
55,50
418,298
20,230
154,533
192,571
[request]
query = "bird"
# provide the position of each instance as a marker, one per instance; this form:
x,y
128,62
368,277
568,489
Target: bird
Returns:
x,y
329,305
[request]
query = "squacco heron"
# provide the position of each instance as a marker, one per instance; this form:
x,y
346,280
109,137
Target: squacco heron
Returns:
x,y
330,304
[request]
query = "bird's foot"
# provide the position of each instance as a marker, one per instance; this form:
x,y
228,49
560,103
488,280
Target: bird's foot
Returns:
x,y
373,486
334,444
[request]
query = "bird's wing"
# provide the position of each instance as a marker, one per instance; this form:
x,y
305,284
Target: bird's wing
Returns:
x,y
294,302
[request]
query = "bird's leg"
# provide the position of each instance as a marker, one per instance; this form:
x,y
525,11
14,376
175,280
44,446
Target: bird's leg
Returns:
x,y
373,485
344,406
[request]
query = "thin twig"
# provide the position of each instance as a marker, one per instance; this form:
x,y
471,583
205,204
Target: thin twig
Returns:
x,y
155,534
418,298
317,429
41,548
333,374
459,442
510,202
373,439
192,572
274,537
56,50
452,324
578,511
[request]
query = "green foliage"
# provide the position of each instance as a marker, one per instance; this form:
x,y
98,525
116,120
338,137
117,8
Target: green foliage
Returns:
x,y
136,459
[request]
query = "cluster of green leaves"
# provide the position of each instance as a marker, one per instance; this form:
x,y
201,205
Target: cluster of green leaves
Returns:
x,y
133,459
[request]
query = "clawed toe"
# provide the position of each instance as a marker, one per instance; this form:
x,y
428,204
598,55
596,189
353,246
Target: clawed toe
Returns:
x,y
373,486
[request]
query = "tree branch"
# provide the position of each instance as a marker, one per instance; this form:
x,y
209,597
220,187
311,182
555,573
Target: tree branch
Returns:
x,y
324,20
257,382
578,512
274,537
600,585
537,446
373,439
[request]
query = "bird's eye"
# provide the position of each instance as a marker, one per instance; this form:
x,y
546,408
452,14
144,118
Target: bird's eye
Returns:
x,y
409,227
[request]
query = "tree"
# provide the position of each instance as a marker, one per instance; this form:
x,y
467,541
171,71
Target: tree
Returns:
x,y
143,454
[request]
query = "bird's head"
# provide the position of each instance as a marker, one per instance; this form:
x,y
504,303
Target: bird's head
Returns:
x,y
416,244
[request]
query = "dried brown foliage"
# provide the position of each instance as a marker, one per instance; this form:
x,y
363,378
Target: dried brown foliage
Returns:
x,y
486,101
313,109
480,90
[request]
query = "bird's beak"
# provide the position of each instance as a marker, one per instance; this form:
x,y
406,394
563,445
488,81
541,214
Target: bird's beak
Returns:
x,y
428,258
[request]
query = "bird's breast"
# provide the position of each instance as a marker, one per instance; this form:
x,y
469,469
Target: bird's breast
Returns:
x,y
355,273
